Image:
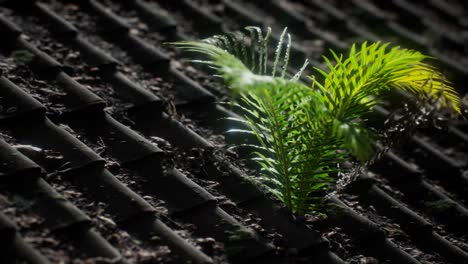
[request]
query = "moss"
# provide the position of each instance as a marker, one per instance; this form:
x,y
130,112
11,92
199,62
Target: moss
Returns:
x,y
22,56
334,211
238,241
439,206
240,234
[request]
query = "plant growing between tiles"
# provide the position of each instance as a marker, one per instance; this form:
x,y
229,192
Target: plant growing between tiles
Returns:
x,y
305,131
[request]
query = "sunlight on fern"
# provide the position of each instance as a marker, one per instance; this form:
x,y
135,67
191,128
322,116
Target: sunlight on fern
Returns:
x,y
376,68
301,130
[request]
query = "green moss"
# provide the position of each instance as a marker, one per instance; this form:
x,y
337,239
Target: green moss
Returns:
x,y
439,206
240,234
334,211
22,56
238,241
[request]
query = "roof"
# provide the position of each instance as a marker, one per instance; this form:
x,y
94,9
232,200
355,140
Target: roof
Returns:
x,y
112,146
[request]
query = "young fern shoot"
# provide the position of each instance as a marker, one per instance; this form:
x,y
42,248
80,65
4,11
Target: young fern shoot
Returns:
x,y
304,132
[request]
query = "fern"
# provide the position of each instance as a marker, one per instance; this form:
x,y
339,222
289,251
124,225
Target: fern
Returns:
x,y
295,153
301,130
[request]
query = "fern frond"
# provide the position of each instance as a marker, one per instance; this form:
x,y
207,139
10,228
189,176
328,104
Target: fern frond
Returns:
x,y
253,55
353,86
279,48
300,152
374,69
231,69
